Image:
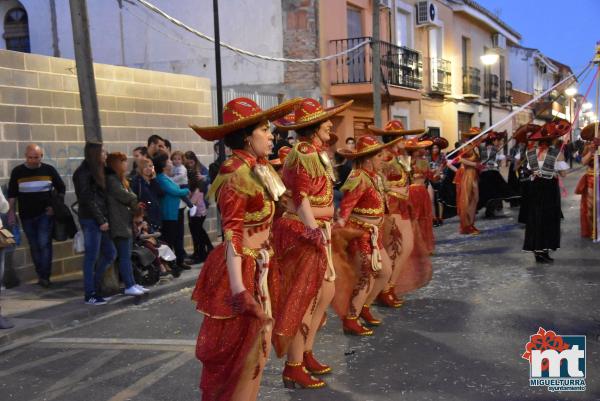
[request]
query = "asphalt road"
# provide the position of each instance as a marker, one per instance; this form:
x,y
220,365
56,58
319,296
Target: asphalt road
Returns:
x,y
460,338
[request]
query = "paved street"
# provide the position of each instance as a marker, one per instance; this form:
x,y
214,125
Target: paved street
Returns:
x,y
461,338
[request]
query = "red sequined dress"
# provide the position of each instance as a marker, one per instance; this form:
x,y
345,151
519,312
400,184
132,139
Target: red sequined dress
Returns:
x,y
585,188
421,204
226,339
307,174
467,191
363,198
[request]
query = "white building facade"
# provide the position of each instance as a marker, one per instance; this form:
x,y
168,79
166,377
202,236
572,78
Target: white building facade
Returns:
x,y
123,32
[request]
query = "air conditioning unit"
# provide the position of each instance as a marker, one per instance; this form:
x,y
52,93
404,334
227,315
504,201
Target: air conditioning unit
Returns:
x,y
499,41
426,13
385,3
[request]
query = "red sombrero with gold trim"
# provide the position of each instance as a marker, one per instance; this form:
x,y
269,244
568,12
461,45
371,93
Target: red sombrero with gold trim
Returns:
x,y
473,131
310,112
241,113
493,135
589,131
441,142
551,130
281,155
393,128
365,145
521,134
413,144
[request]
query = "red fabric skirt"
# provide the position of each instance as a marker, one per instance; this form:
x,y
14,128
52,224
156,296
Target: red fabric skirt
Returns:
x,y
398,206
422,216
225,340
348,242
585,188
302,267
417,272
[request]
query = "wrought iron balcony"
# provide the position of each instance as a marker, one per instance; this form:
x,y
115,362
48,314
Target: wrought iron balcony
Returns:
x,y
494,88
400,66
506,92
441,75
471,82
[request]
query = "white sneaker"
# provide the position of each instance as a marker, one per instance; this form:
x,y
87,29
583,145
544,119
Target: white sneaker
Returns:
x,y
193,211
141,288
134,291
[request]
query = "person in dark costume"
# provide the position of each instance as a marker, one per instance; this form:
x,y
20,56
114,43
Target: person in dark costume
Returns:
x,y
522,168
546,162
493,189
437,164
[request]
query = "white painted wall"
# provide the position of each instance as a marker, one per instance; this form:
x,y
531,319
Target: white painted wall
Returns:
x,y
525,74
153,43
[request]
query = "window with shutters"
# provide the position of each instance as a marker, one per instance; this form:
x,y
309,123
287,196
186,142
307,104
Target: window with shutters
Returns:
x,y
16,30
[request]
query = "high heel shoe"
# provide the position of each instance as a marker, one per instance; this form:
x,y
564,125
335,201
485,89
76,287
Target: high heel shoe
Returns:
x,y
368,317
388,298
353,327
295,374
313,366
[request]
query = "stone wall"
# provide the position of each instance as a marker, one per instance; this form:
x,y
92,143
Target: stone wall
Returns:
x,y
301,41
39,102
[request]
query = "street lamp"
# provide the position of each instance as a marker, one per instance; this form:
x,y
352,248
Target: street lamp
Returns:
x,y
488,60
570,92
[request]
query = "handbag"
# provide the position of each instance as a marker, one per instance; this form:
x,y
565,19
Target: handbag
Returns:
x,y
7,239
78,242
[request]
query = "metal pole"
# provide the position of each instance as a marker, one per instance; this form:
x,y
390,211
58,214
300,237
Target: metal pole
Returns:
x,y
490,91
218,75
85,71
376,73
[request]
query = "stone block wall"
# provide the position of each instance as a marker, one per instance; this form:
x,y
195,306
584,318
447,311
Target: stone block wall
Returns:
x,y
301,41
39,102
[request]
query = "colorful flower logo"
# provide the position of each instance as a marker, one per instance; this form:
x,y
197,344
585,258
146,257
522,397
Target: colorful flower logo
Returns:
x,y
544,340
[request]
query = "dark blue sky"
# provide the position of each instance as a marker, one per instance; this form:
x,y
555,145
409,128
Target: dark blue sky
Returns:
x,y
566,31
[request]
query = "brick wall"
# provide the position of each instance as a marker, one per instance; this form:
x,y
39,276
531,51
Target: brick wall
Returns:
x,y
39,102
301,40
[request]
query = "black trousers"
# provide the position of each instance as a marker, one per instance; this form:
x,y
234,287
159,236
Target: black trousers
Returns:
x,y
200,238
170,234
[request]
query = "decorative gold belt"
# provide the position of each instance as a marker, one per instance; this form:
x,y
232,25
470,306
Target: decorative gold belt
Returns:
x,y
363,224
293,216
256,253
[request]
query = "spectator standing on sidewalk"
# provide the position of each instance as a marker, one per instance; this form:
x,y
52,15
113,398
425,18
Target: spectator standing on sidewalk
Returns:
x,y
156,144
148,192
169,206
4,323
122,204
90,188
197,180
31,185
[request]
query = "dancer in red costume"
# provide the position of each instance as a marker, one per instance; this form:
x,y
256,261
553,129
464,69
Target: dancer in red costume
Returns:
x,y
416,272
398,237
233,289
467,185
585,186
362,209
302,244
418,197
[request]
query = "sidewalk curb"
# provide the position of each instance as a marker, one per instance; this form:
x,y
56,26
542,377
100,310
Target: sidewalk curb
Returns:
x,y
26,327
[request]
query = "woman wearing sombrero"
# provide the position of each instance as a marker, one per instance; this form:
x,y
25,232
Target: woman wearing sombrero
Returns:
x,y
585,186
417,272
302,244
362,209
233,288
546,161
467,185
398,236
